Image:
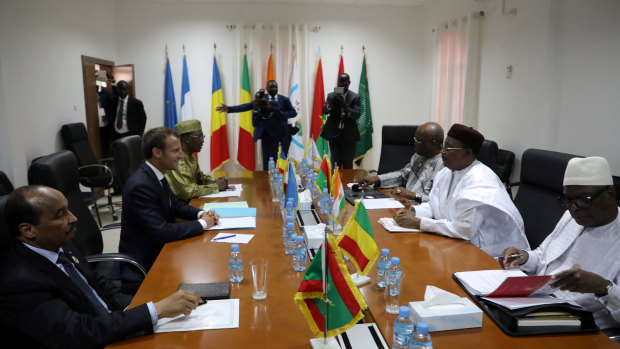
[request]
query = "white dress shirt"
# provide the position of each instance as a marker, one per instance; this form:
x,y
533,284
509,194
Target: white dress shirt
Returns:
x,y
472,204
594,249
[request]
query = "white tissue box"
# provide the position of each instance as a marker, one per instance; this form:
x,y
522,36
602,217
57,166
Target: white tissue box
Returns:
x,y
304,205
468,316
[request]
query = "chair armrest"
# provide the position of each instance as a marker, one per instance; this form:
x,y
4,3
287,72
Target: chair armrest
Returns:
x,y
514,184
110,226
115,257
104,160
105,168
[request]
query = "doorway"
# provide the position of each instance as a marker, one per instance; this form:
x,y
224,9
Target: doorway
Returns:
x,y
98,130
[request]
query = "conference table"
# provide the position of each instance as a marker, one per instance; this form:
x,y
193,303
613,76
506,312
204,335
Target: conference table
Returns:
x,y
277,322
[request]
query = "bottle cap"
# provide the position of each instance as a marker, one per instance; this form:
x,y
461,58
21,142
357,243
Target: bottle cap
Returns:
x,y
385,251
289,218
299,239
271,158
422,327
403,311
395,260
290,225
234,248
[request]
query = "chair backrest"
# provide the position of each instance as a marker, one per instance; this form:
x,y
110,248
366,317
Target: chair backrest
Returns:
x,y
488,154
542,177
505,161
128,156
60,171
6,187
75,138
397,147
617,185
5,236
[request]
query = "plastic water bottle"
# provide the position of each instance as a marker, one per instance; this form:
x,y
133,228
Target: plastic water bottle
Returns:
x,y
235,264
287,220
303,170
299,254
392,288
421,337
330,208
309,183
403,329
289,241
290,210
277,188
324,201
271,165
382,266
314,190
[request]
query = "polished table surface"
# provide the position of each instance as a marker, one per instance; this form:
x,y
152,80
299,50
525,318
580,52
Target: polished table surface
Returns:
x,y
276,322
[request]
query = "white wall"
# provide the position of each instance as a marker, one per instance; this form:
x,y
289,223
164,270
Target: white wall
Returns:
x,y
563,96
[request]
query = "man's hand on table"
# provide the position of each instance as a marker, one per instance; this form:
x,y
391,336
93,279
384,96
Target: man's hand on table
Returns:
x,y
210,217
180,302
407,219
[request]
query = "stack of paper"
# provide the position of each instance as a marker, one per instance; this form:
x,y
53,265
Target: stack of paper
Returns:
x,y
234,190
377,204
233,215
390,225
503,283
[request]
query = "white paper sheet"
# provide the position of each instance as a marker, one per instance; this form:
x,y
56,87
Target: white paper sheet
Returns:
x,y
228,193
211,205
524,302
390,225
376,204
360,337
235,223
222,313
236,239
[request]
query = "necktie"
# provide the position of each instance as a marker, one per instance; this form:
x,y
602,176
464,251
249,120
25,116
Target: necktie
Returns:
x,y
167,190
119,115
81,283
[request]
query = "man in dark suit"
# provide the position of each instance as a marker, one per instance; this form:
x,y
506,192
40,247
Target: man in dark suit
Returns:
x,y
125,113
342,108
150,209
270,114
49,295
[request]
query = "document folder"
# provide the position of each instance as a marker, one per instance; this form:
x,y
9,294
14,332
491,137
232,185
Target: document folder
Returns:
x,y
508,320
211,290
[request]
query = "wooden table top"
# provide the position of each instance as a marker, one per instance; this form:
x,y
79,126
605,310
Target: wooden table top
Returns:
x,y
276,322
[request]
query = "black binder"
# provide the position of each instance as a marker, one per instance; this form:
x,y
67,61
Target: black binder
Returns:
x,y
506,319
369,193
212,290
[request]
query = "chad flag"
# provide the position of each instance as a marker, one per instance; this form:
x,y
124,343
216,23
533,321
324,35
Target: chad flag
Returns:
x,y
219,137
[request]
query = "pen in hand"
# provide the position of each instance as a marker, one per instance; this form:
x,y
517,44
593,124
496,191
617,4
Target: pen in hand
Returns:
x,y
500,258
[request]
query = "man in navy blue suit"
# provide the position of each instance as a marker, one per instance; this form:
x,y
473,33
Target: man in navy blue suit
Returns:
x,y
270,114
150,209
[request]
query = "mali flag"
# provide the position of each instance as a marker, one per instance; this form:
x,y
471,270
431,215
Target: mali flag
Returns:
x,y
357,240
344,300
245,153
219,137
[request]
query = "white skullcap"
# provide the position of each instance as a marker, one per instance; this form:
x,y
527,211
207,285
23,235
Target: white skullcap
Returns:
x,y
588,171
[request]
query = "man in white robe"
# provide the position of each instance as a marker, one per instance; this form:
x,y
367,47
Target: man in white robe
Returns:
x,y
582,252
468,201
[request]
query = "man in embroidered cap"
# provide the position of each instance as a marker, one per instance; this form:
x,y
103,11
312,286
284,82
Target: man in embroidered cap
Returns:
x,y
582,251
468,201
188,181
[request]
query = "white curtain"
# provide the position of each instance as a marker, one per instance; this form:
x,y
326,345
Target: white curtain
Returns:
x,y
282,40
456,85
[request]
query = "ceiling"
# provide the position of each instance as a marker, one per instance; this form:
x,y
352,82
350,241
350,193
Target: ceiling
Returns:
x,y
409,3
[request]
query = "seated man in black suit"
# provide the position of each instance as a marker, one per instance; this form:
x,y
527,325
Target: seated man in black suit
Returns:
x,y
342,108
150,209
49,295
270,114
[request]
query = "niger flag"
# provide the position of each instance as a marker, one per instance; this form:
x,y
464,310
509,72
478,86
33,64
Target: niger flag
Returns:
x,y
357,240
219,137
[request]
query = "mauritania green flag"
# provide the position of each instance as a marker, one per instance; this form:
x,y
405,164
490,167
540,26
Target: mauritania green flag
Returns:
x,y
364,123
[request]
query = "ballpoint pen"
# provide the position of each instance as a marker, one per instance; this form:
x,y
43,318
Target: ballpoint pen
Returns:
x,y
225,237
511,256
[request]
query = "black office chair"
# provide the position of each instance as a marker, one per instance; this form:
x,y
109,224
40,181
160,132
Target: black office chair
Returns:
x,y
617,185
60,171
504,163
541,183
128,156
488,154
5,236
397,147
6,187
93,174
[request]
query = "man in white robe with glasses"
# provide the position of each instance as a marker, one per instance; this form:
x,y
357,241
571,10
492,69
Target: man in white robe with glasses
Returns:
x,y
583,252
468,201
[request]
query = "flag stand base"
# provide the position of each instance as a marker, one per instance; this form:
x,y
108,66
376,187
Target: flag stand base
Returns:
x,y
319,343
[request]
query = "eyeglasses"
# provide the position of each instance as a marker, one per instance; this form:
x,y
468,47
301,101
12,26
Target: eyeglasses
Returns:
x,y
584,202
449,149
200,137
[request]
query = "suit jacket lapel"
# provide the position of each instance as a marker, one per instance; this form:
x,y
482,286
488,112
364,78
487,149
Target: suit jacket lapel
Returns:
x,y
163,195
